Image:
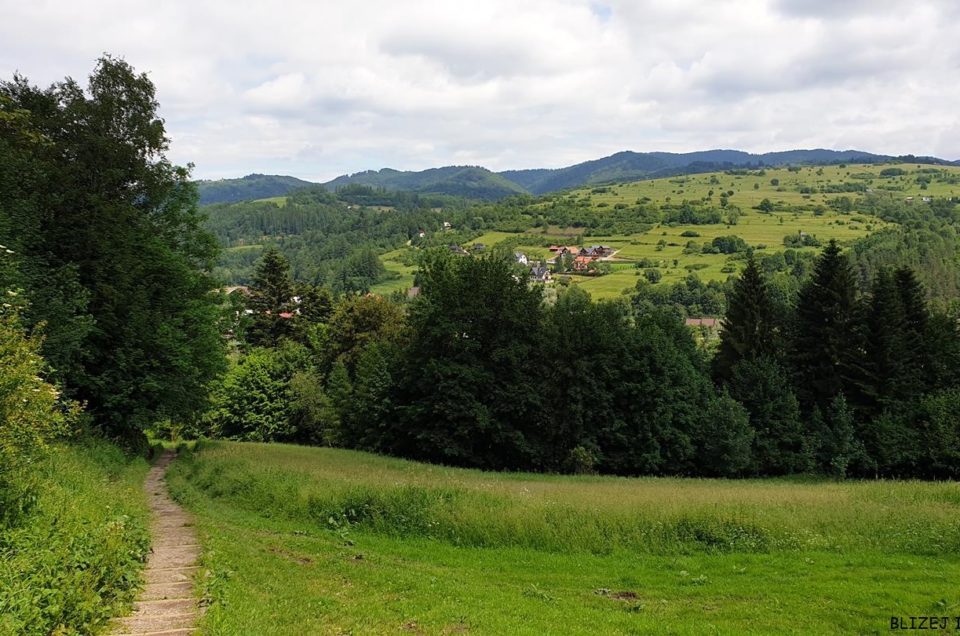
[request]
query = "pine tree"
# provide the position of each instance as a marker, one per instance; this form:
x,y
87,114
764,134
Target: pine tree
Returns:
x,y
749,327
823,351
918,355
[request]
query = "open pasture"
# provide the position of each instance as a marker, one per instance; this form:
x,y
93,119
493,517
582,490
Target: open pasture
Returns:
x,y
311,540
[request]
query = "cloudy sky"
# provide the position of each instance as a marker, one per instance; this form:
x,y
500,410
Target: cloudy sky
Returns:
x,y
319,88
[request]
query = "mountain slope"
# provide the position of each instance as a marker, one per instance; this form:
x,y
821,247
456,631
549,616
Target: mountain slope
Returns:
x,y
631,166
467,181
252,186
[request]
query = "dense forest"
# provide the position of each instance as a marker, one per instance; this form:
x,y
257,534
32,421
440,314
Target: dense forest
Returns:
x,y
836,377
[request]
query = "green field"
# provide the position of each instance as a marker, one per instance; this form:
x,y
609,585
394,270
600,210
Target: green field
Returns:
x,y
309,540
280,202
404,273
795,212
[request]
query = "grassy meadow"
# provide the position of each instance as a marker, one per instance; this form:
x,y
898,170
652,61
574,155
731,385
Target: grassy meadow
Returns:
x,y
799,205
312,540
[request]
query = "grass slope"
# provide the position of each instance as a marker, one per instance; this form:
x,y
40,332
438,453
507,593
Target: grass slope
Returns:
x,y
800,206
306,540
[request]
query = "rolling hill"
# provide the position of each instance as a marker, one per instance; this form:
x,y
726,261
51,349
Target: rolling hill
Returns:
x,y
467,181
252,186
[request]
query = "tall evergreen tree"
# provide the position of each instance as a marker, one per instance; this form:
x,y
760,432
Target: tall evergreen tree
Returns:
x,y
749,329
882,367
823,351
918,355
780,444
271,298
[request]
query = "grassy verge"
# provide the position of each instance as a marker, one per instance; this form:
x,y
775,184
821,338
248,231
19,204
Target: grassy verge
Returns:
x,y
302,540
75,560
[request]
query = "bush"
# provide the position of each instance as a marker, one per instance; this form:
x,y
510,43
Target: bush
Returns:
x,y
653,275
30,416
256,402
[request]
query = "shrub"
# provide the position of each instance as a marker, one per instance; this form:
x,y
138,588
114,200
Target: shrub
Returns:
x,y
75,560
653,275
30,416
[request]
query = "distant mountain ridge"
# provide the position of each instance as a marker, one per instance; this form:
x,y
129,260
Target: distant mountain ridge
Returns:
x,y
480,183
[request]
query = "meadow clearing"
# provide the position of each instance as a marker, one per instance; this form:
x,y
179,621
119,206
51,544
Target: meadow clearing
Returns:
x,y
799,204
316,540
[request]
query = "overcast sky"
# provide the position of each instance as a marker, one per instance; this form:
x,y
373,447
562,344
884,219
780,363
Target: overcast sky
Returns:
x,y
319,88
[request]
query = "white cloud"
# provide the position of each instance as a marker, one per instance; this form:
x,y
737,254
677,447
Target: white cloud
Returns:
x,y
319,89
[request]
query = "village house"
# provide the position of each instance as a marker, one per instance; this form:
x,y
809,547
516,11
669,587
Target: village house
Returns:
x,y
596,251
539,274
521,258
456,249
583,263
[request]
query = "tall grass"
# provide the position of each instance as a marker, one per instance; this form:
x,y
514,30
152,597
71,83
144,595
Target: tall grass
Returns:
x,y
68,566
346,491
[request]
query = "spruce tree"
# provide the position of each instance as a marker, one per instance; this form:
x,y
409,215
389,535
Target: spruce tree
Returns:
x,y
881,369
271,295
749,326
780,444
918,354
824,350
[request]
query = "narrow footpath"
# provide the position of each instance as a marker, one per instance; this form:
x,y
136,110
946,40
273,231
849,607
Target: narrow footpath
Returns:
x,y
167,606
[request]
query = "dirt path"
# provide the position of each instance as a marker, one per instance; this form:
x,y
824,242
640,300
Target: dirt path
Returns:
x,y
167,606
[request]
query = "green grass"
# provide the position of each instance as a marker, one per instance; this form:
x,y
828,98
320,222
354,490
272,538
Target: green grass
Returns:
x,y
75,561
280,202
306,540
393,264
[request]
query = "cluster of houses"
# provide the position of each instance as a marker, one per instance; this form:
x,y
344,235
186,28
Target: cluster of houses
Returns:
x,y
581,259
565,258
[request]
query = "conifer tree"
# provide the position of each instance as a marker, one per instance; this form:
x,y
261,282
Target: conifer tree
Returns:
x,y
271,296
749,326
823,349
918,353
881,369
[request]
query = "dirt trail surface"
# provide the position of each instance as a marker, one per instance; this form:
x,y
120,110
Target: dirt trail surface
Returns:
x,y
167,606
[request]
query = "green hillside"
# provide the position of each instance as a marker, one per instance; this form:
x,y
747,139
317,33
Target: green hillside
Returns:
x,y
250,187
463,181
318,540
823,202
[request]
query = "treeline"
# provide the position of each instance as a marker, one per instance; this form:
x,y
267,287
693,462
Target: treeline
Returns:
x,y
481,372
330,239
847,379
107,258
